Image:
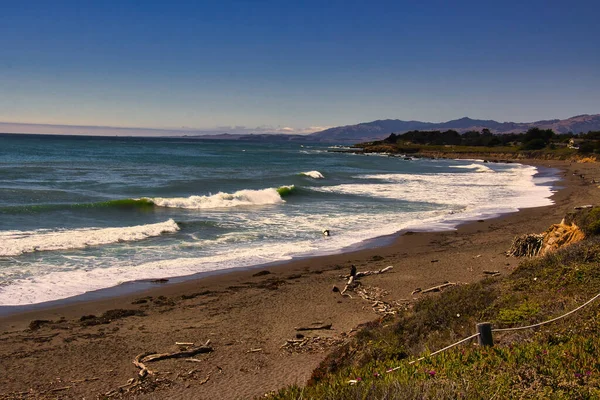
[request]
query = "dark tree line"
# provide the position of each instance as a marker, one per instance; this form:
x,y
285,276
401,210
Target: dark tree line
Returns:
x,y
533,139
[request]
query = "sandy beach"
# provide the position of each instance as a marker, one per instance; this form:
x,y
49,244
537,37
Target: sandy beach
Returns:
x,y
250,315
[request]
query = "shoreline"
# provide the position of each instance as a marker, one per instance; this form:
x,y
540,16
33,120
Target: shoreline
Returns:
x,y
243,310
147,285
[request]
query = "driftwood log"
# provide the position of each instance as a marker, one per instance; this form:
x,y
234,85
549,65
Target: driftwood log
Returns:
x,y
434,288
141,359
354,275
137,361
205,348
313,328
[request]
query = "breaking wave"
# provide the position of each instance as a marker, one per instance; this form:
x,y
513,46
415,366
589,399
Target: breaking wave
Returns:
x,y
14,243
476,167
313,174
225,200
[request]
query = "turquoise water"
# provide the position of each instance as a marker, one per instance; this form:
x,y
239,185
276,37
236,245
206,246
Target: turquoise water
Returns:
x,y
79,214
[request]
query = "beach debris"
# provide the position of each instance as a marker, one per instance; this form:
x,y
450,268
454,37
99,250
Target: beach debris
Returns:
x,y
360,274
161,280
374,295
138,363
203,381
555,237
310,344
314,327
141,359
584,207
436,288
254,350
491,273
355,275
527,245
184,343
60,389
205,348
417,290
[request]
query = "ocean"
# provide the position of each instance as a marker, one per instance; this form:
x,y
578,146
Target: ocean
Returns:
x,y
79,214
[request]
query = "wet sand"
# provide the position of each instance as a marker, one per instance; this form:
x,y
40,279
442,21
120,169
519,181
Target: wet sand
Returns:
x,y
248,315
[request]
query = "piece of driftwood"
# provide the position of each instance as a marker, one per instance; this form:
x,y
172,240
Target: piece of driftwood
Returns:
x,y
313,328
178,354
254,350
193,360
355,275
137,361
203,381
438,287
85,380
367,273
491,272
184,343
61,389
360,274
348,284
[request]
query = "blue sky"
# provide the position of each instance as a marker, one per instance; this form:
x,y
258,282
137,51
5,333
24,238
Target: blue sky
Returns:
x,y
296,65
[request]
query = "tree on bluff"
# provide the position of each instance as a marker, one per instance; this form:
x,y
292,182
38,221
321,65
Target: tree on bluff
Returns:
x,y
536,138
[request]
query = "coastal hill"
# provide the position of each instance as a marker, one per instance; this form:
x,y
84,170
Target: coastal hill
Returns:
x,y
377,130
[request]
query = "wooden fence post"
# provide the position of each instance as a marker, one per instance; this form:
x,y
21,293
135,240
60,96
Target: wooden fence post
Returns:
x,y
485,334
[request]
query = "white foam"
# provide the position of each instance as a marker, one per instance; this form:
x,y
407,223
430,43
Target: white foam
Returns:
x,y
14,243
222,200
515,187
313,174
60,284
476,167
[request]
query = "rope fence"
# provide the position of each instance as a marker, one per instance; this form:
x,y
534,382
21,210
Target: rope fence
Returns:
x,y
484,333
547,322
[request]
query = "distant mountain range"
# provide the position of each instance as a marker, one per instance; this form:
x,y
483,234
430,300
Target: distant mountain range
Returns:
x,y
380,129
363,132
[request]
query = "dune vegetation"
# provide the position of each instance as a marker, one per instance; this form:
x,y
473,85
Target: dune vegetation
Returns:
x,y
557,360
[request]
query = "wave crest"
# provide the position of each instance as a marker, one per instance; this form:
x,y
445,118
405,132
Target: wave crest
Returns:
x,y
14,243
223,200
313,174
476,167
